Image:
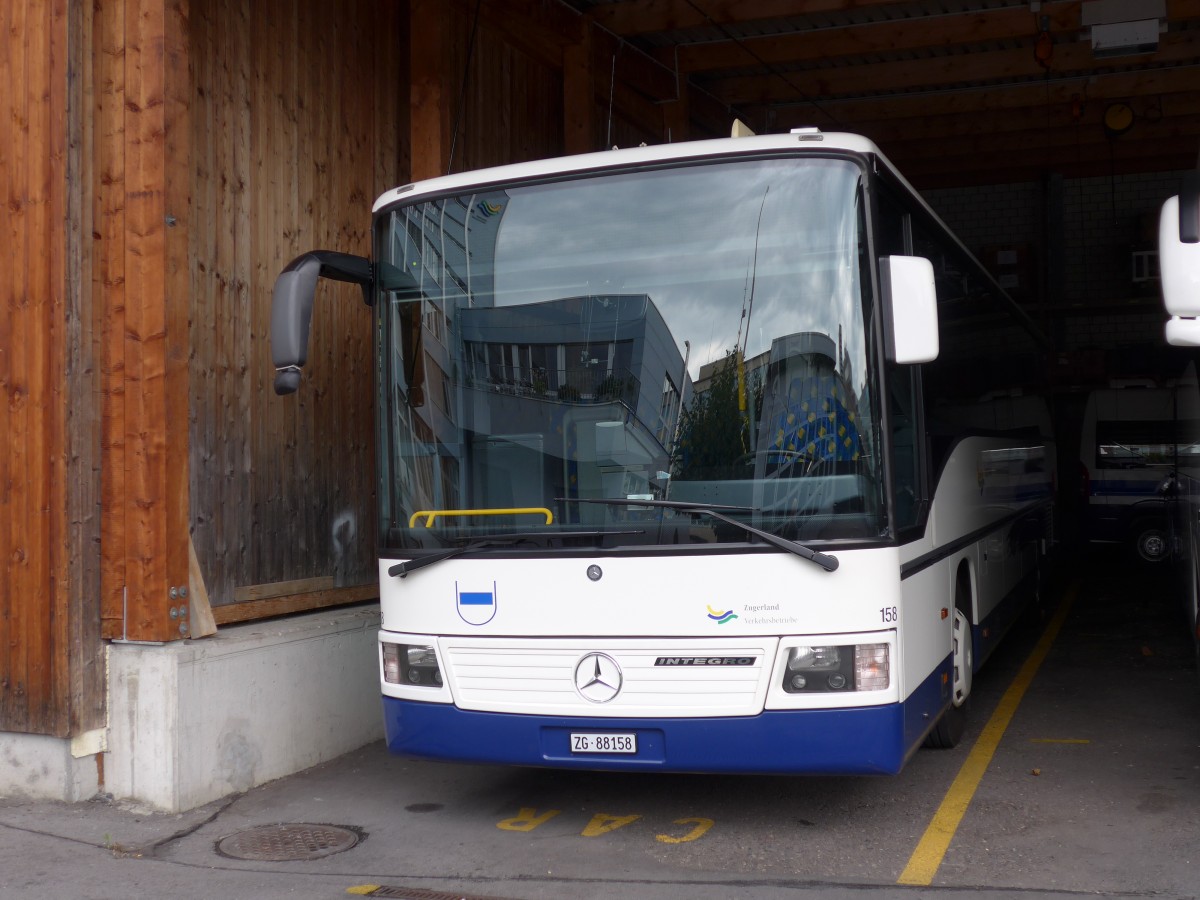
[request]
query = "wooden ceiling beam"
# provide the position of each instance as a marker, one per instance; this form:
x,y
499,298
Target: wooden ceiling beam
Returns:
x,y
533,27
1171,137
714,117
987,167
612,57
1153,83
1174,109
635,17
935,72
969,175
938,32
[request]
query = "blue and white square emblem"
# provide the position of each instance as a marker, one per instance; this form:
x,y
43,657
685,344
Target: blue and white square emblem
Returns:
x,y
476,607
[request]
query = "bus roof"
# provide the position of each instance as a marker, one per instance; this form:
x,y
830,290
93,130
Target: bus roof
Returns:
x,y
609,159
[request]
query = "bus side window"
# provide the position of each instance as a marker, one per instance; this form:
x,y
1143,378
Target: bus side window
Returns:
x,y
893,237
902,408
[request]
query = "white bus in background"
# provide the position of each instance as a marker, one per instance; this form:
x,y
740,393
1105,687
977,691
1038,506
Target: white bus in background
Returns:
x,y
1179,262
1135,437
586,561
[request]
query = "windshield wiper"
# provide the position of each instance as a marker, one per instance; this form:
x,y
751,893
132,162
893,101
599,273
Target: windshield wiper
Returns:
x,y
400,570
824,560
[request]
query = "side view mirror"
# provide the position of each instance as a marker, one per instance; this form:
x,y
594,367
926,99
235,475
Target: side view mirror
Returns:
x,y
292,303
909,308
1179,263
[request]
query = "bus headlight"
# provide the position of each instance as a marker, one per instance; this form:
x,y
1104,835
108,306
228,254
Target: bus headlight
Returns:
x,y
411,664
814,669
803,658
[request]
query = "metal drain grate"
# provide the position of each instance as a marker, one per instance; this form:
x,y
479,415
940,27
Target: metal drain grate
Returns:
x,y
281,843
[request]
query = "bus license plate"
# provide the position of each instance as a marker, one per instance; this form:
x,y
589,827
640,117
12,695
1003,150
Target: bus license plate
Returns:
x,y
594,742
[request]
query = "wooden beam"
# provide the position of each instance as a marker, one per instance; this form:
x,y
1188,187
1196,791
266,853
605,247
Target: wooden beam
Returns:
x,y
579,94
85,652
294,603
252,592
177,295
677,119
927,170
34,158
200,617
109,286
1172,108
533,27
934,72
633,17
1056,146
936,32
154,311
940,32
636,109
430,98
708,114
1096,87
639,71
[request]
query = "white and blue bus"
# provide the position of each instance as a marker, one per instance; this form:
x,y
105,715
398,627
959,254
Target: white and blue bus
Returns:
x,y
722,456
1179,261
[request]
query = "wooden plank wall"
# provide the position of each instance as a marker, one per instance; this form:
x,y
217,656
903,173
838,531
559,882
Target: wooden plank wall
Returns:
x,y
297,125
300,118
139,52
161,161
48,429
85,652
30,369
512,107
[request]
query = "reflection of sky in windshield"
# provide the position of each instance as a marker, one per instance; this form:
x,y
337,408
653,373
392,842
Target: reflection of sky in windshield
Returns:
x,y
767,246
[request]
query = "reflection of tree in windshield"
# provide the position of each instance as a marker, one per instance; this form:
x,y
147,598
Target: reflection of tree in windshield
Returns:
x,y
713,432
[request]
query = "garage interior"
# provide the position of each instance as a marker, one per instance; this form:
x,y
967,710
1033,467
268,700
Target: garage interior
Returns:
x,y
174,155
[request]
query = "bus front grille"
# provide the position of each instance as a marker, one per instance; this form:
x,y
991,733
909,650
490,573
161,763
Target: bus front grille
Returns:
x,y
633,678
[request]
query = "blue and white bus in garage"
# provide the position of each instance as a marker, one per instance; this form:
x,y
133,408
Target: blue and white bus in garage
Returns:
x,y
722,456
1179,259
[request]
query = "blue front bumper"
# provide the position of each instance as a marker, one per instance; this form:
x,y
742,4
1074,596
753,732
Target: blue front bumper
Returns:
x,y
860,741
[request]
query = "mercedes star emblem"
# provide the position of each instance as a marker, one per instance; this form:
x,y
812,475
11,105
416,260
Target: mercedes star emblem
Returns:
x,y
598,678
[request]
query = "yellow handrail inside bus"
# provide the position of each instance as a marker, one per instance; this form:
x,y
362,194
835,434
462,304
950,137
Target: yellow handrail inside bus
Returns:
x,y
430,514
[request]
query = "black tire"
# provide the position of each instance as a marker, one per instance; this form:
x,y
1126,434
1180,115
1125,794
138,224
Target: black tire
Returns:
x,y
952,724
948,731
1149,541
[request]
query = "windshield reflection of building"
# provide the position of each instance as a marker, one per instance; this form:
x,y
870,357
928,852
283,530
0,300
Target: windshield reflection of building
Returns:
x,y
796,401
577,397
810,411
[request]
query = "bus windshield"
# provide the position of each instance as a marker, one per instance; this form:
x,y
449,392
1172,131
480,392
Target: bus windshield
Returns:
x,y
697,334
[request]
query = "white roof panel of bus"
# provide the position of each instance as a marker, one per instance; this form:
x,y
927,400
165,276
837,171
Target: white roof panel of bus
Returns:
x,y
604,159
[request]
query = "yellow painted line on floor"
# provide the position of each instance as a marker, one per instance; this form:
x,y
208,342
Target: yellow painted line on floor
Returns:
x,y
927,858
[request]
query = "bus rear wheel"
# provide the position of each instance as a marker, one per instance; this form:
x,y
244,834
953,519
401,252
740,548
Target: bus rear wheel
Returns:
x,y
953,722
1149,539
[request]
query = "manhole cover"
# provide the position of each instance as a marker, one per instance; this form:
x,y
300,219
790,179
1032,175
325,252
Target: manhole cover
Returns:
x,y
278,843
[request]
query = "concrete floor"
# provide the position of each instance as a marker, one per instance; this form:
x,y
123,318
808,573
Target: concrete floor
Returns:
x,y
1093,788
